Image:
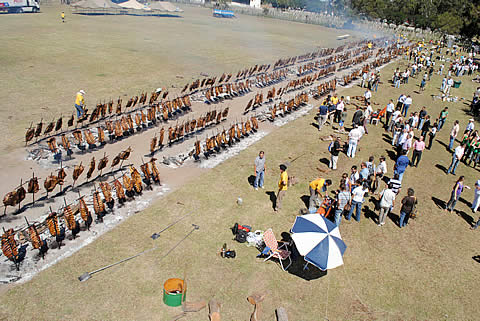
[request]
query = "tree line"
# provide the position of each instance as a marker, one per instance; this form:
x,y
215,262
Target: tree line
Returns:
x,y
458,17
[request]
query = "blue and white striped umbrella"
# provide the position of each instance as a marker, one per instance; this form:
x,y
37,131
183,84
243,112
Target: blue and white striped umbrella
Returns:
x,y
319,241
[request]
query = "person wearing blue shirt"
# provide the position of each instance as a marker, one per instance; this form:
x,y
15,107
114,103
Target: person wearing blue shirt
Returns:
x,y
322,115
401,165
364,171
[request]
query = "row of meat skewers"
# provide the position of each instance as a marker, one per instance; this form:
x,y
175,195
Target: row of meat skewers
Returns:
x,y
119,128
16,196
223,139
129,186
179,132
101,111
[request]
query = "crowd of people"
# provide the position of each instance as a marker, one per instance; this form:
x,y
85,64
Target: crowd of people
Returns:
x,y
412,132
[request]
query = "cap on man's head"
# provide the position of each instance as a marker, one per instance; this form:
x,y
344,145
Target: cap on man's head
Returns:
x,y
283,167
471,119
82,91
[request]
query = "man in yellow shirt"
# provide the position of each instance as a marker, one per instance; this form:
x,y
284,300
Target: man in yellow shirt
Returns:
x,y
282,187
316,188
79,103
63,16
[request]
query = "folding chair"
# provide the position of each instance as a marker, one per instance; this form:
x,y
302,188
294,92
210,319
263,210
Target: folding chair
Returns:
x,y
278,252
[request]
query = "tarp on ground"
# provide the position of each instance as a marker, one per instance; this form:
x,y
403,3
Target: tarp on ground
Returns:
x,y
96,4
164,6
133,4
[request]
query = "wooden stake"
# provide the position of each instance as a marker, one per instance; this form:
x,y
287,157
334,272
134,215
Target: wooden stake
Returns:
x,y
214,308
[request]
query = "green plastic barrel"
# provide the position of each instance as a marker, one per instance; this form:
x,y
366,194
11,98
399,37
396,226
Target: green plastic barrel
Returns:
x,y
456,84
174,292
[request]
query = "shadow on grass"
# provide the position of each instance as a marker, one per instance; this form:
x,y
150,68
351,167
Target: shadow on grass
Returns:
x,y
391,154
476,258
440,204
394,217
306,200
441,167
314,125
325,161
466,217
273,198
442,143
251,179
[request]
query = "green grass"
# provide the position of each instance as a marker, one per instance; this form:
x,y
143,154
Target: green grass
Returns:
x,y
422,272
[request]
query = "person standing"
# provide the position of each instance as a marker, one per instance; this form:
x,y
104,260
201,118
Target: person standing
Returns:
x,y
358,194
80,103
442,118
453,135
322,115
476,197
457,156
62,15
401,165
282,187
334,151
418,148
366,117
400,101
259,169
357,117
456,192
343,118
431,135
342,199
470,125
380,171
316,188
408,205
353,138
339,109
387,201
367,95
389,111
425,126
406,104
422,116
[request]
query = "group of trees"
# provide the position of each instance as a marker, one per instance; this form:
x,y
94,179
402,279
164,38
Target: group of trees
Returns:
x,y
449,16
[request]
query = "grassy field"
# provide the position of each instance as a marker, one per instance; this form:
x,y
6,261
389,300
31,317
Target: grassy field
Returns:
x,y
422,272
45,62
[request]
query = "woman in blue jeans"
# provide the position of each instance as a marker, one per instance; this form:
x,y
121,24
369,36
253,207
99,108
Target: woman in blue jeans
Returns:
x,y
456,192
408,204
357,201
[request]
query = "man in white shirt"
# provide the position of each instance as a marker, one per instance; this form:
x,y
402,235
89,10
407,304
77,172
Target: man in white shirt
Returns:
x,y
449,85
380,171
476,198
400,100
457,156
353,138
339,109
389,111
406,104
396,116
471,125
387,201
357,201
366,117
367,95
453,134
